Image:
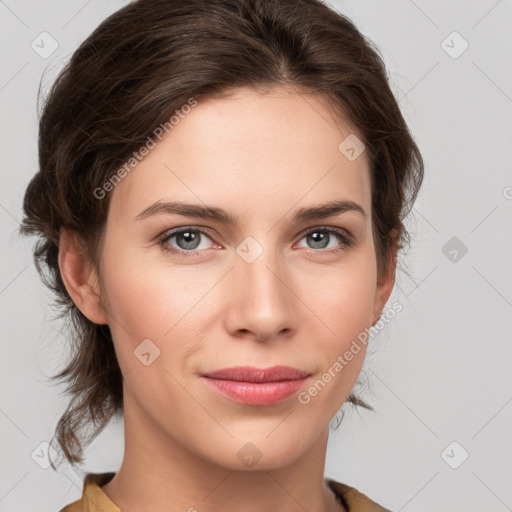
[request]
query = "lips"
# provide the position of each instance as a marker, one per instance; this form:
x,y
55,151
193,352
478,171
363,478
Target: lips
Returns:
x,y
254,386
251,374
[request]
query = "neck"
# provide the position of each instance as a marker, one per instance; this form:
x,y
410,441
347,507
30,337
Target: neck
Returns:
x,y
158,470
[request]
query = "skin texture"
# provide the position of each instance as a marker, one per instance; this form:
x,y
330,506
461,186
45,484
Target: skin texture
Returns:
x,y
261,157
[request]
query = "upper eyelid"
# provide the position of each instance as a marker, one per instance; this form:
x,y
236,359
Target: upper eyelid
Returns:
x,y
335,229
176,231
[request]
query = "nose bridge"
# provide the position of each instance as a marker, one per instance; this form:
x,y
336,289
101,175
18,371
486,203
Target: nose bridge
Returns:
x,y
257,265
261,295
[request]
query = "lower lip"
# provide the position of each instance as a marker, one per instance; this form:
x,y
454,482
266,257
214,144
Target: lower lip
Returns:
x,y
252,393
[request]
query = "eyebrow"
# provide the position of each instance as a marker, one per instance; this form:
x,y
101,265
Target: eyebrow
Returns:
x,y
323,211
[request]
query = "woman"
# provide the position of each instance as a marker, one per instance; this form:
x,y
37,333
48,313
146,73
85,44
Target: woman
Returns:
x,y
219,203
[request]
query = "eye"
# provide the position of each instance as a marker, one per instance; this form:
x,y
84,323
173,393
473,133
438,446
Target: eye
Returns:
x,y
321,237
187,239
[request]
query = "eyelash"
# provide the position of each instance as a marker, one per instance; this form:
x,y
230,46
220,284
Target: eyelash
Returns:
x,y
346,239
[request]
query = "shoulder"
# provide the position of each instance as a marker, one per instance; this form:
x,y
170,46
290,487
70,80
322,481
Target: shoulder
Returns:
x,y
76,506
93,498
352,499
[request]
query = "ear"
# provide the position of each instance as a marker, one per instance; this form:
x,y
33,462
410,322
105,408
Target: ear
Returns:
x,y
80,278
386,281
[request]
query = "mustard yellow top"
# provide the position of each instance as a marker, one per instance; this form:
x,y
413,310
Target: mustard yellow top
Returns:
x,y
95,500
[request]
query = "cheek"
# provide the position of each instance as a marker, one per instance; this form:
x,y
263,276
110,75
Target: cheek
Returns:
x,y
169,306
142,303
342,298
343,303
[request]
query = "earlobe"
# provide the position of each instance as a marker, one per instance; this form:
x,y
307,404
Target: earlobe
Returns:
x,y
80,278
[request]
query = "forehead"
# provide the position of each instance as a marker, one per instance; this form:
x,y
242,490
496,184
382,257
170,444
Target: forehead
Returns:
x,y
261,149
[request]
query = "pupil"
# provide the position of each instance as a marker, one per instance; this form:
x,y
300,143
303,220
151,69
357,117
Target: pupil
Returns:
x,y
319,237
190,239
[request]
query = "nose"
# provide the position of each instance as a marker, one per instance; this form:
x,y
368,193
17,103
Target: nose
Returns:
x,y
261,302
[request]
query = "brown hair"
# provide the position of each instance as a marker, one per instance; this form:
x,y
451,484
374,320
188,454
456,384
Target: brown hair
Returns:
x,y
129,76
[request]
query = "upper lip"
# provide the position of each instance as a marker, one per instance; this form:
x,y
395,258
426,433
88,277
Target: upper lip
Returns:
x,y
251,374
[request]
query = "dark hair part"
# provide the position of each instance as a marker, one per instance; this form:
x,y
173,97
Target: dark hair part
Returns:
x,y
130,76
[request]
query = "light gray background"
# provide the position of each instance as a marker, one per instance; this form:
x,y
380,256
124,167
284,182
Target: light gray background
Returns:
x,y
441,370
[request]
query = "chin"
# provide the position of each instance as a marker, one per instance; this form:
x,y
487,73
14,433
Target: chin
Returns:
x,y
257,453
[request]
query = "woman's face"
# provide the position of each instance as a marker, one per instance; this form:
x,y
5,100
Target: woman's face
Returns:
x,y
259,291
